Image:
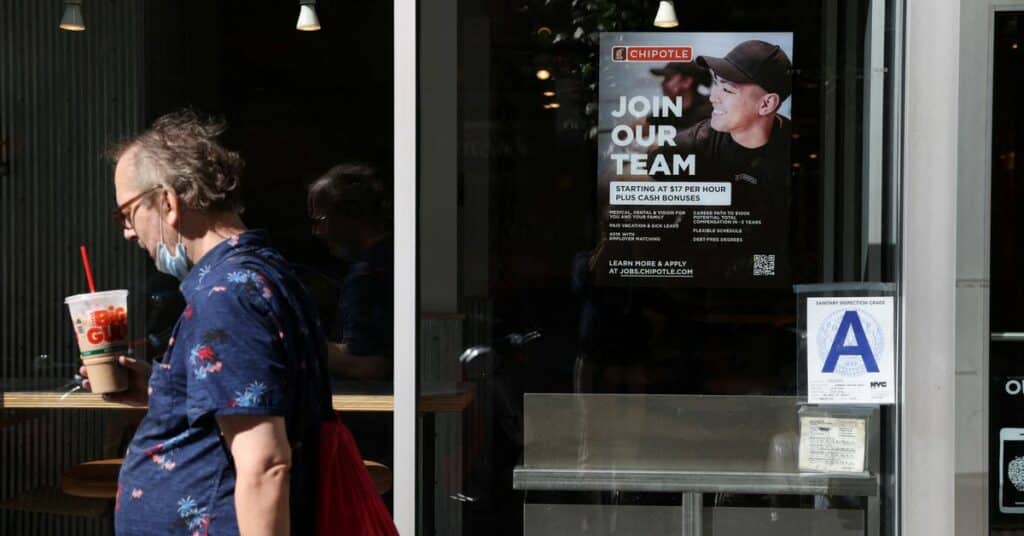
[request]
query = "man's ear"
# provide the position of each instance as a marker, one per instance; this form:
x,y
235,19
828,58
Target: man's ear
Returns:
x,y
172,207
769,103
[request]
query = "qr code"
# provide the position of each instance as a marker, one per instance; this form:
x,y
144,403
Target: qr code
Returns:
x,y
764,265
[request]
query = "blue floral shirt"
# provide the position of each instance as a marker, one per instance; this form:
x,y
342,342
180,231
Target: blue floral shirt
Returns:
x,y
365,316
248,343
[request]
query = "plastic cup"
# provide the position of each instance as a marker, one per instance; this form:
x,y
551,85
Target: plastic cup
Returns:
x,y
100,320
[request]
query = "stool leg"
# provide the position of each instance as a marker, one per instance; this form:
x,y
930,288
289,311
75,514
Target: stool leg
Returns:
x,y
692,512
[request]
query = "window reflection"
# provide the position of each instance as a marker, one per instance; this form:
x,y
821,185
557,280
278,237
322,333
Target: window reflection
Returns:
x,y
350,209
529,237
297,104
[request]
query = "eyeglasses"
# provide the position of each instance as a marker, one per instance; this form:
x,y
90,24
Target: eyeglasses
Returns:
x,y
126,221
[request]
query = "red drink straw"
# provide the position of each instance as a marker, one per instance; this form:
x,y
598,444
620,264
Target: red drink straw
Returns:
x,y
88,269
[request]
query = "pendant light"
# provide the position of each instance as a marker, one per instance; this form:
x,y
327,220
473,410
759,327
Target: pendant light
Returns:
x,y
308,21
666,17
72,20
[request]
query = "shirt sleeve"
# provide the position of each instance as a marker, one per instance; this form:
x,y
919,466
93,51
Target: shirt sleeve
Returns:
x,y
236,359
363,315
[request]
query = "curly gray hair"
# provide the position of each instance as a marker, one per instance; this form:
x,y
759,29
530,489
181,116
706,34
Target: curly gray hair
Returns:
x,y
181,151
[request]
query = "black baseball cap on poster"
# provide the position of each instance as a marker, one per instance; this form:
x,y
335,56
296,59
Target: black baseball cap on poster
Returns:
x,y
757,62
700,74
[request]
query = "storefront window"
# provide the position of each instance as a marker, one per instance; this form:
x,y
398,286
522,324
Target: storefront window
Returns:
x,y
629,294
296,105
1005,434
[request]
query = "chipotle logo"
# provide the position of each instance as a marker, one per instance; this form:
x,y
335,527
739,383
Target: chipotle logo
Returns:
x,y
652,54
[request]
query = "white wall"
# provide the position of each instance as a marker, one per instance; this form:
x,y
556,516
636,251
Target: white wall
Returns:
x,y
405,267
927,452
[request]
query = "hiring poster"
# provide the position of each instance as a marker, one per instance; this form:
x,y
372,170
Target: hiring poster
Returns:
x,y
694,159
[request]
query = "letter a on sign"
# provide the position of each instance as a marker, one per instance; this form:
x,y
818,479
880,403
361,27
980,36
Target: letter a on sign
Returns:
x,y
860,347
860,328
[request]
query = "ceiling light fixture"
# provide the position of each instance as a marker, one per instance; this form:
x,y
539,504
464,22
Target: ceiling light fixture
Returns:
x,y
543,74
549,93
308,21
666,17
72,20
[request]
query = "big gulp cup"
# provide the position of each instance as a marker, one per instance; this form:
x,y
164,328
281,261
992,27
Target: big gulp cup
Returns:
x,y
100,320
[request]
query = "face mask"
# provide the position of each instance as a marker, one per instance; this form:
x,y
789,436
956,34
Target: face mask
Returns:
x,y
176,265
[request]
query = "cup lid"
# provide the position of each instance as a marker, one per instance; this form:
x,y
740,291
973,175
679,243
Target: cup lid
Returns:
x,y
103,295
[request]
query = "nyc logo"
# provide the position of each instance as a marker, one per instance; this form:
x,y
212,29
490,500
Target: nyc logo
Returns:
x,y
850,340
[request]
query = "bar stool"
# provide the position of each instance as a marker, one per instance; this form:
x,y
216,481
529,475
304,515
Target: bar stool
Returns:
x,y
380,474
96,479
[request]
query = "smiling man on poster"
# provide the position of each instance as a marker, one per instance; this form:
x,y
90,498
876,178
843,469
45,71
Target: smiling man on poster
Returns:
x,y
745,138
746,142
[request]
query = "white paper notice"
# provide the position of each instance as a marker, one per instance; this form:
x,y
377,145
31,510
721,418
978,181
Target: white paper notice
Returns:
x,y
850,349
831,445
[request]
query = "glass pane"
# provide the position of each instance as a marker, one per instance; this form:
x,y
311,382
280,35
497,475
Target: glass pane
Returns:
x,y
612,310
552,520
557,519
294,105
1006,429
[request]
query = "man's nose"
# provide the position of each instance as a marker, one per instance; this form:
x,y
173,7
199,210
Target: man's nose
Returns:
x,y
715,96
129,234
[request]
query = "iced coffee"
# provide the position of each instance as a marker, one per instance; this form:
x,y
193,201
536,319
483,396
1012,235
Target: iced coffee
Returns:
x,y
100,320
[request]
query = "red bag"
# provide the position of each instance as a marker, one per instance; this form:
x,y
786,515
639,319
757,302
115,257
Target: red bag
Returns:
x,y
349,502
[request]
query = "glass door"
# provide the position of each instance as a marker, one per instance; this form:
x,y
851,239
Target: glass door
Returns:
x,y
1006,429
627,237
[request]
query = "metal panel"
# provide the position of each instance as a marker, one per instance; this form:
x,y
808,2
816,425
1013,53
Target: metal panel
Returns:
x,y
664,481
927,313
63,97
661,432
562,519
405,484
601,520
782,522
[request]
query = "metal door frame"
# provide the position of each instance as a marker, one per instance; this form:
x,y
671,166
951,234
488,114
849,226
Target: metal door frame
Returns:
x,y
405,216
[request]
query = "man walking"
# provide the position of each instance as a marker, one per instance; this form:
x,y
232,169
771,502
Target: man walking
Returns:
x,y
229,444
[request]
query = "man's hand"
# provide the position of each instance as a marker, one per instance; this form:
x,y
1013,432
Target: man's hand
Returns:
x,y
263,461
137,373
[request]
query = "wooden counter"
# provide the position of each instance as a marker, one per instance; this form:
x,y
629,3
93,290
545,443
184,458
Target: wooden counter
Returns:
x,y
432,403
